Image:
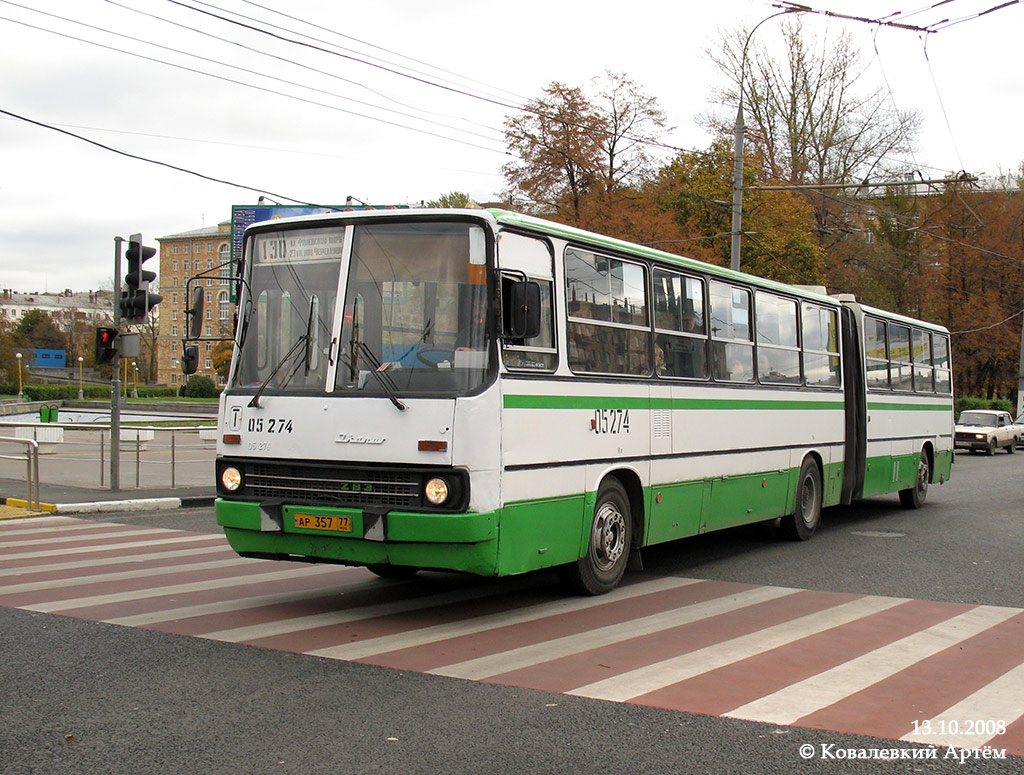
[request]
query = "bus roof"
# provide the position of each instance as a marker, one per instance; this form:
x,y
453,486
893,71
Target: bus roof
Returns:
x,y
541,226
509,218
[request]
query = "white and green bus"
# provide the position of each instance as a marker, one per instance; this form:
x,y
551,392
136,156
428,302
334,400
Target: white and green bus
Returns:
x,y
483,391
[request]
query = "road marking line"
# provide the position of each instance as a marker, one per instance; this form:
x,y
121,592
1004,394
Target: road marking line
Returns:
x,y
175,589
63,525
114,547
344,616
80,539
232,606
125,575
670,671
788,705
425,635
101,562
1000,700
547,651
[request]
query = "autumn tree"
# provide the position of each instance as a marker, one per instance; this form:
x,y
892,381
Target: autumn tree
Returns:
x,y
570,146
780,245
975,240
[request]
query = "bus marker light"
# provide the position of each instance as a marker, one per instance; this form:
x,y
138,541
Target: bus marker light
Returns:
x,y
232,438
433,446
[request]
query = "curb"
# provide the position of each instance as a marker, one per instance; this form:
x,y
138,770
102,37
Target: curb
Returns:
x,y
129,504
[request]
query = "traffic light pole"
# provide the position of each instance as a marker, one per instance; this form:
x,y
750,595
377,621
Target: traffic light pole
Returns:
x,y
115,380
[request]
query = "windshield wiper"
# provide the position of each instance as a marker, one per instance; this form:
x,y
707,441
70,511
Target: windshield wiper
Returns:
x,y
287,356
307,340
380,371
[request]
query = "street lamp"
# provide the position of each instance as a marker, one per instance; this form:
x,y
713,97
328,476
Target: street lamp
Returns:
x,y
19,356
81,392
737,159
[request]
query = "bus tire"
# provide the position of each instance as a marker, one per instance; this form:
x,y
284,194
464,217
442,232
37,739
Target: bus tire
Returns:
x,y
806,516
398,572
611,535
913,497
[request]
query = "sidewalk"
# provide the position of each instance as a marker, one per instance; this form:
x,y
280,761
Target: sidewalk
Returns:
x,y
71,499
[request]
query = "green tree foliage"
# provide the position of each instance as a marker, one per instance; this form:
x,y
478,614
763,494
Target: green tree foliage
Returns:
x,y
451,199
199,386
778,224
37,329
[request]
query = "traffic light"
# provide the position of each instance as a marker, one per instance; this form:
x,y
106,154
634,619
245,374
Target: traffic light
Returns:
x,y
106,345
136,300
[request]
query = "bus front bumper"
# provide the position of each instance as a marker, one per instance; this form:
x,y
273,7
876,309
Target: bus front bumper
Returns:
x,y
461,542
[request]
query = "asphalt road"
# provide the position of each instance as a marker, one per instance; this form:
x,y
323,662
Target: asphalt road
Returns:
x,y
81,697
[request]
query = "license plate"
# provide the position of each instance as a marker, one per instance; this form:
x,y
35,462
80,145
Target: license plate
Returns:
x,y
322,522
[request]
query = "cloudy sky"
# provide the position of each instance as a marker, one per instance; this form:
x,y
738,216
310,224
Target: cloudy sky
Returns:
x,y
394,101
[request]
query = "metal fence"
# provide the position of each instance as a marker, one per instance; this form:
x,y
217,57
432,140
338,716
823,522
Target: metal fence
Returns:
x,y
79,454
31,458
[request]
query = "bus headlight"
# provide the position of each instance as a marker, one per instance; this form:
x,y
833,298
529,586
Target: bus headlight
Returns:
x,y
436,491
231,478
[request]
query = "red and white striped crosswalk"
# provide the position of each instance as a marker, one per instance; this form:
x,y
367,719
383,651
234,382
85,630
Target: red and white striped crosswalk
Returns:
x,y
948,674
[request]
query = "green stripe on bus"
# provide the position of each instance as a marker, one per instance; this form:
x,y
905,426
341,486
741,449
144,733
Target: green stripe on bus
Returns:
x,y
632,402
891,407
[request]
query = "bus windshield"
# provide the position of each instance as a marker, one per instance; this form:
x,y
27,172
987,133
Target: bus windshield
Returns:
x,y
413,319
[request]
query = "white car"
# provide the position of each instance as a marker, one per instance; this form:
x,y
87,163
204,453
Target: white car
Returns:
x,y
1019,425
986,429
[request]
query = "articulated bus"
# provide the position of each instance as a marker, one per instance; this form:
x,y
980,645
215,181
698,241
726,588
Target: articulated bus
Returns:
x,y
487,392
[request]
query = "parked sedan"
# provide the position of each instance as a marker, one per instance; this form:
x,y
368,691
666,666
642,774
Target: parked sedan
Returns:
x,y
1019,425
986,429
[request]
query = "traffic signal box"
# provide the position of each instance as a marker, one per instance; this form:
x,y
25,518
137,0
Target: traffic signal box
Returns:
x,y
106,344
136,299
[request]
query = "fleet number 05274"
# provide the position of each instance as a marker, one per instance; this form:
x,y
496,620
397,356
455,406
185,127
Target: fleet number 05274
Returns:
x,y
610,421
269,425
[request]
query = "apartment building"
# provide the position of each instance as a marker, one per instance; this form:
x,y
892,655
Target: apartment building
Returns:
x,y
202,256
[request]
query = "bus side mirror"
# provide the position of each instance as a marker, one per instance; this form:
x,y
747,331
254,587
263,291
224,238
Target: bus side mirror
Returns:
x,y
523,305
195,316
189,359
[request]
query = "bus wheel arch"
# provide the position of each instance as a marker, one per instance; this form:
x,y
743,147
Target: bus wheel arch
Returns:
x,y
914,497
805,518
612,531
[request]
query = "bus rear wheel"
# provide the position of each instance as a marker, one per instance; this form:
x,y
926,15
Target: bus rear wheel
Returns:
x,y
913,497
806,516
611,535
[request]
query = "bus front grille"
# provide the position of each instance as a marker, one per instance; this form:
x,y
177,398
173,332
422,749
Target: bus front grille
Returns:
x,y
353,487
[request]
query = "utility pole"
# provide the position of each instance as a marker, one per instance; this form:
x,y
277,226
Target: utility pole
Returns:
x,y
1020,378
115,380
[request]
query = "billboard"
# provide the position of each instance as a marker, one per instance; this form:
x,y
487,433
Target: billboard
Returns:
x,y
246,215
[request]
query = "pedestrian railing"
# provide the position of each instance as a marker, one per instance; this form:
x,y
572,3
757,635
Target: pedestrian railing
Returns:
x,y
79,453
31,458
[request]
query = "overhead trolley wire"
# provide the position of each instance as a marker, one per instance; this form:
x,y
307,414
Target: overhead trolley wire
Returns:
x,y
244,83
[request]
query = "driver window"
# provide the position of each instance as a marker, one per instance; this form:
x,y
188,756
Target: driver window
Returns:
x,y
521,256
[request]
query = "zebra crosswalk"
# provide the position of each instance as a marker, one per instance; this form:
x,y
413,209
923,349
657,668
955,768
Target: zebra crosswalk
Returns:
x,y
948,674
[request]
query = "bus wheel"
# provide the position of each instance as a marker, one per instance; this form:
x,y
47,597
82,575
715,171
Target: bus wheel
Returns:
x,y
394,571
913,497
601,568
806,516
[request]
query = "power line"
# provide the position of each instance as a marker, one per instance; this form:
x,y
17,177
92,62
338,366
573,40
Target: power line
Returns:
x,y
154,161
242,83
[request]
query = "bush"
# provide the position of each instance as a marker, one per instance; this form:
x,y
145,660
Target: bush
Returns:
x,y
965,403
199,387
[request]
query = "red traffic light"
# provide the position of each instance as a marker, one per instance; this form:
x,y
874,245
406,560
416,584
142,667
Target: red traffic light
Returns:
x,y
106,345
